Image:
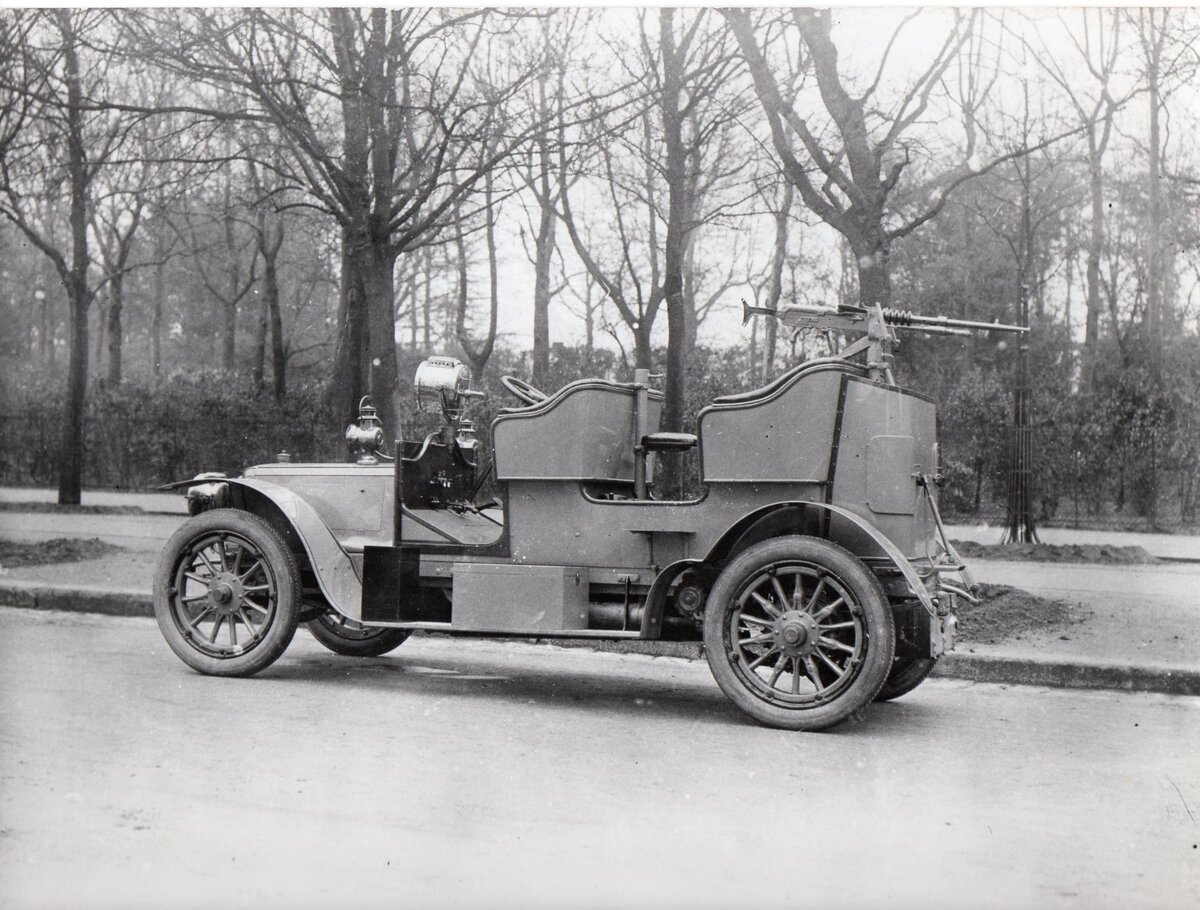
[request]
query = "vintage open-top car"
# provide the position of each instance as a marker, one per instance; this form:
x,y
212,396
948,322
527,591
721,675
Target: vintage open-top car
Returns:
x,y
814,566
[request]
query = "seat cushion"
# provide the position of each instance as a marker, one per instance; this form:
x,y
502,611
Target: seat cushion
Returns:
x,y
668,442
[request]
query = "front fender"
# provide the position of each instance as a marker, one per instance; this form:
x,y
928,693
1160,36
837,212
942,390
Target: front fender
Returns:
x,y
334,570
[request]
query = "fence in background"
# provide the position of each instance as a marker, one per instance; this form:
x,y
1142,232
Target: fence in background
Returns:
x,y
132,453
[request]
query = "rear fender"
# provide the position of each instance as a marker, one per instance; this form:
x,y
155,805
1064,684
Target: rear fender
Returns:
x,y
302,528
799,517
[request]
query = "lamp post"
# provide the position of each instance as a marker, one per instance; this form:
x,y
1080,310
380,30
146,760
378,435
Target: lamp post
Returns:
x,y
1019,524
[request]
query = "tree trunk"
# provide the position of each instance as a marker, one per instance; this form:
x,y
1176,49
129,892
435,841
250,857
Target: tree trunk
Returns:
x,y
116,294
494,286
275,315
376,264
270,235
46,332
675,247
71,453
346,387
230,302
156,319
229,335
754,372
258,374
427,304
775,288
413,326
674,387
101,322
873,253
1154,277
543,259
691,319
1091,337
643,354
479,354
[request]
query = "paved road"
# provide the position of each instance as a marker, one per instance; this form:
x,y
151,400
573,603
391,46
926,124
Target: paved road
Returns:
x,y
488,774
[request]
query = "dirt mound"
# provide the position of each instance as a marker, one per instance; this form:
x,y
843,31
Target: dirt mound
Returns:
x,y
61,549
1106,554
1006,613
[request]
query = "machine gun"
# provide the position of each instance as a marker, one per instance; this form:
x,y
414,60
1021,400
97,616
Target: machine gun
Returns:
x,y
878,324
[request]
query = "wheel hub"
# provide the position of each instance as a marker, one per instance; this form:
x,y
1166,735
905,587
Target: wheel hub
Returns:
x,y
796,633
225,593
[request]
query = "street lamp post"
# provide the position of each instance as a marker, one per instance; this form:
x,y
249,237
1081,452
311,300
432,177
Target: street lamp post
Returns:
x,y
1019,524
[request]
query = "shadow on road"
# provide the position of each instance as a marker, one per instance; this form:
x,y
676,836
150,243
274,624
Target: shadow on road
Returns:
x,y
618,691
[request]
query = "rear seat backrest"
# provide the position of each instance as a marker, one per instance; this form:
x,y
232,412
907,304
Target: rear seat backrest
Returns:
x,y
779,433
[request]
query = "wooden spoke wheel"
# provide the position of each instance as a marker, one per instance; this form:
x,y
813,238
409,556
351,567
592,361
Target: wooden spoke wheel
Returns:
x,y
345,636
798,633
227,593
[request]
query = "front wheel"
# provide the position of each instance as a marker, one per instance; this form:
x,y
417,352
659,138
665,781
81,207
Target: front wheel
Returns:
x,y
227,593
798,633
345,636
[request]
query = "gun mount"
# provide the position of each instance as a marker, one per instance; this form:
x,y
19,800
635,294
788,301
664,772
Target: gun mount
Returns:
x,y
879,325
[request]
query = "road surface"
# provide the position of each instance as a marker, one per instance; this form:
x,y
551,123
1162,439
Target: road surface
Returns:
x,y
490,774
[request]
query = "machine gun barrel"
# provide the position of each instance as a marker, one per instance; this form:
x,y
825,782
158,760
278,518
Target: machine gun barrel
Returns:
x,y
904,319
851,317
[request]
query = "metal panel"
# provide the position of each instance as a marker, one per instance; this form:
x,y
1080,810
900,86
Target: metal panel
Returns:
x,y
392,586
584,432
873,410
334,570
891,486
354,498
784,437
518,598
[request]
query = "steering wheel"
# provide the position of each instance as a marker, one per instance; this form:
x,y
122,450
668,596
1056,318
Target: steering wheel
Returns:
x,y
523,390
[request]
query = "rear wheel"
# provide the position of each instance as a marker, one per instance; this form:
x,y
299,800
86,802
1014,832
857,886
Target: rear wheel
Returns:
x,y
798,633
907,673
227,593
345,636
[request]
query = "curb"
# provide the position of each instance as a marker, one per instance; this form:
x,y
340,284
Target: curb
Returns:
x,y
973,667
72,599
1064,674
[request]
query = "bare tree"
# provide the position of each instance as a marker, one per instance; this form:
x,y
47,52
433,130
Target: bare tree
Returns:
x,y
478,352
56,134
116,226
224,256
848,171
1096,39
390,119
653,158
539,169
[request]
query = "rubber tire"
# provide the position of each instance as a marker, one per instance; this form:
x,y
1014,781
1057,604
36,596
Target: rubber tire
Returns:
x,y
287,578
907,673
877,617
377,644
